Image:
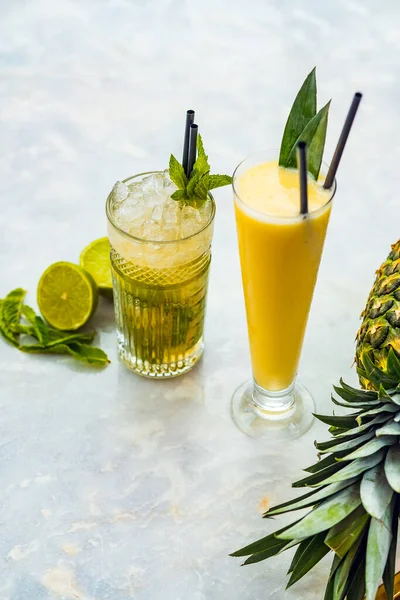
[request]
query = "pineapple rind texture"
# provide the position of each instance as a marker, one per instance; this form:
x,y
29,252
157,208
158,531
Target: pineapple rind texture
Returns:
x,y
380,328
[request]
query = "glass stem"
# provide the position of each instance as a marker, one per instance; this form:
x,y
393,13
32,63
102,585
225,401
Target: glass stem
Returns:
x,y
273,402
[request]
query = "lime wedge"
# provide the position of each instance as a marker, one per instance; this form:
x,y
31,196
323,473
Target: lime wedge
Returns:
x,y
95,259
67,296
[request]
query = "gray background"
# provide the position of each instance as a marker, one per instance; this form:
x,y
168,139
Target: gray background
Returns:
x,y
113,487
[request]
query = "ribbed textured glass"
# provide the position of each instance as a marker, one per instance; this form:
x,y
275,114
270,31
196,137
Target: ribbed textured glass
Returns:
x,y
160,291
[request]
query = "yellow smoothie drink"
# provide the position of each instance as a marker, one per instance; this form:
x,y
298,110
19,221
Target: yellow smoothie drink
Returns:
x,y
280,253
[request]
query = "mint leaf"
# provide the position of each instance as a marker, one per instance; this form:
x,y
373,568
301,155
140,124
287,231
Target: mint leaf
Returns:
x,y
217,181
193,181
61,337
82,352
88,354
10,314
11,307
177,173
200,147
40,329
201,190
304,108
50,341
179,195
314,135
194,191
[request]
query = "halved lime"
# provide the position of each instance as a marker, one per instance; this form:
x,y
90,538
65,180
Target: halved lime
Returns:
x,y
67,296
95,259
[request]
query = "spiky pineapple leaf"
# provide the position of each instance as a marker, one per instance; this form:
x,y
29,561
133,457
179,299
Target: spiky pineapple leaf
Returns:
x,y
312,555
392,467
393,365
390,567
311,498
370,425
370,448
375,375
391,428
378,546
341,446
343,571
341,537
354,468
375,491
356,588
269,552
366,394
319,476
321,464
353,396
325,515
264,543
354,405
347,422
385,408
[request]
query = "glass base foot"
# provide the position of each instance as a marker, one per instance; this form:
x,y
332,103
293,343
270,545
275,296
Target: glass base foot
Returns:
x,y
155,370
274,416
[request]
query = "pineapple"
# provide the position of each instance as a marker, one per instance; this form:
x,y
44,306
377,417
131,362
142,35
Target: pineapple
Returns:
x,y
380,329
353,491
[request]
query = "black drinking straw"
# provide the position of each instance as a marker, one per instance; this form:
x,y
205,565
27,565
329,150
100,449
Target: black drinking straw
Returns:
x,y
192,148
330,178
189,121
302,162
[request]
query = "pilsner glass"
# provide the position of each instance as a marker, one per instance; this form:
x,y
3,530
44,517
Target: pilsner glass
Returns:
x,y
280,256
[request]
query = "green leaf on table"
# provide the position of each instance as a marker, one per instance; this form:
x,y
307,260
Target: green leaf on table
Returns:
x,y
10,314
82,352
314,135
303,110
11,306
61,337
39,326
50,341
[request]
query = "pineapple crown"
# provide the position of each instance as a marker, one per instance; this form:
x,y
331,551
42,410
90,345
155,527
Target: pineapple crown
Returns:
x,y
355,493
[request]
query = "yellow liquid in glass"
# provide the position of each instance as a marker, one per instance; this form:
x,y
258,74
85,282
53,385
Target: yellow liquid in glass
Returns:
x,y
280,253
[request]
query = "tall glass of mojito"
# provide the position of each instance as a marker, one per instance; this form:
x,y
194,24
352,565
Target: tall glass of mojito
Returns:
x,y
160,260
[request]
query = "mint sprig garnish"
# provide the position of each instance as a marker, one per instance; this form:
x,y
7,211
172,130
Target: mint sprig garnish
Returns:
x,y
194,191
305,124
27,331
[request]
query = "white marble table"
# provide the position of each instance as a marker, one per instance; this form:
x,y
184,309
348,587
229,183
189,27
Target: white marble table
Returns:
x,y
113,487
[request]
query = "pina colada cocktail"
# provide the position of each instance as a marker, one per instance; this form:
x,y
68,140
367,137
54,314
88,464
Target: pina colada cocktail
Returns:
x,y
280,252
160,258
